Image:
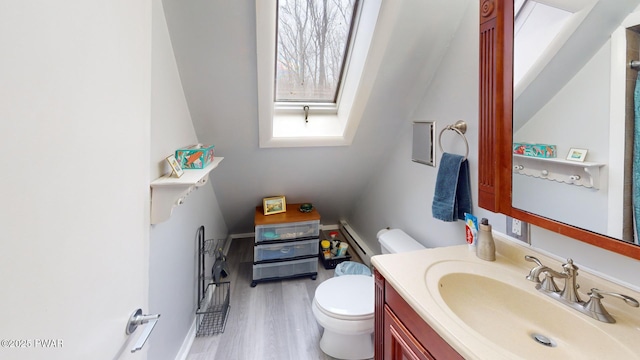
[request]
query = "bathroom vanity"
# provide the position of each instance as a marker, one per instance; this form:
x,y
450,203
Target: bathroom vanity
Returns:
x,y
446,303
400,333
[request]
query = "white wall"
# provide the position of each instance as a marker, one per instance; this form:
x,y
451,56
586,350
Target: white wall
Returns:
x,y
401,195
74,138
215,46
172,259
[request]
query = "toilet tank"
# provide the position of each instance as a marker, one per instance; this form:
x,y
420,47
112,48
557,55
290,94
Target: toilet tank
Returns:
x,y
397,241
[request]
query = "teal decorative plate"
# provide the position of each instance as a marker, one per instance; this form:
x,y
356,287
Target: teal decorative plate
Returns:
x,y
306,207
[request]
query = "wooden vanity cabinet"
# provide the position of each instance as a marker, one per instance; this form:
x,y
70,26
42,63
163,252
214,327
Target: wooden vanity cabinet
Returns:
x,y
400,333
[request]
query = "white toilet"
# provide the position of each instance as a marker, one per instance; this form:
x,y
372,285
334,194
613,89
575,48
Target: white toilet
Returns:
x,y
344,305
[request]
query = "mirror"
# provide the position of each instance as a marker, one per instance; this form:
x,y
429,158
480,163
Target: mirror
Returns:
x,y
566,98
537,95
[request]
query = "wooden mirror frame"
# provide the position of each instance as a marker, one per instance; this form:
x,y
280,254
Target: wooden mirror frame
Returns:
x,y
495,128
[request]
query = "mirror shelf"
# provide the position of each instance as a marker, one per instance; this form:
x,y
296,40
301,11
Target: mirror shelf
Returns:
x,y
585,174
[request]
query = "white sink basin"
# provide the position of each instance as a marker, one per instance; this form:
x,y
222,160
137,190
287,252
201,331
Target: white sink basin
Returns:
x,y
488,310
504,309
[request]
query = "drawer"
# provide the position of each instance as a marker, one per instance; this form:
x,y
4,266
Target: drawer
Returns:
x,y
287,231
285,268
285,250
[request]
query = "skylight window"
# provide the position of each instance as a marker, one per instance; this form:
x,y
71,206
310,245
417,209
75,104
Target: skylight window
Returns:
x,y
315,72
313,39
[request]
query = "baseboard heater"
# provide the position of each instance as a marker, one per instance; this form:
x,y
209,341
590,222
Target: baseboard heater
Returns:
x,y
356,243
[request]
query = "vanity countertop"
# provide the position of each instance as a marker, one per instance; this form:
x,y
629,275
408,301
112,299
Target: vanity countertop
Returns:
x,y
407,273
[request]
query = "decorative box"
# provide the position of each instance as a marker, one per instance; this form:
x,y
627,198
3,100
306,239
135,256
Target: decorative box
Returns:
x,y
196,156
535,150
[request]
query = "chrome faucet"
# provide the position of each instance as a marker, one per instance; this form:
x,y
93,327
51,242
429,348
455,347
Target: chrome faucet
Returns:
x,y
569,294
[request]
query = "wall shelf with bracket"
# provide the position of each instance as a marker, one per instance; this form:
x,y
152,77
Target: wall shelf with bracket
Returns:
x,y
585,174
168,192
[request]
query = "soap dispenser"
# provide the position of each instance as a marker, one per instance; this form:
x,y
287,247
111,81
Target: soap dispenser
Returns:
x,y
486,248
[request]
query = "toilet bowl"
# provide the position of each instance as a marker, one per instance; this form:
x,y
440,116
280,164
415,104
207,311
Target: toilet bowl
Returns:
x,y
344,305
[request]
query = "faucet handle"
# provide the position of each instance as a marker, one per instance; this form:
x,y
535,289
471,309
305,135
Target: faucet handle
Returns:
x,y
533,259
534,273
628,299
595,307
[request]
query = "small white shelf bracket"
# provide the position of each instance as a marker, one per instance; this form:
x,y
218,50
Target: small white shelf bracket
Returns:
x,y
168,192
577,173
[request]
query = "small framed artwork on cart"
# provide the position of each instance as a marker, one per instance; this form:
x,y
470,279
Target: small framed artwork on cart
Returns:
x,y
274,205
176,169
577,154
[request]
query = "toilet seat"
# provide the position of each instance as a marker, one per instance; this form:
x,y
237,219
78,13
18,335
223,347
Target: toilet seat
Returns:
x,y
347,297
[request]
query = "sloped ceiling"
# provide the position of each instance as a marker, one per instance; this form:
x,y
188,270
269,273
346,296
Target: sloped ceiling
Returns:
x,y
215,47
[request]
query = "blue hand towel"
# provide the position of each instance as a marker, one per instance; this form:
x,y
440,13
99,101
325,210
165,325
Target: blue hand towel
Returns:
x,y
452,197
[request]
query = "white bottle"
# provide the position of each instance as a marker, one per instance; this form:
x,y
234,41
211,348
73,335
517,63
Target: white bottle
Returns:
x,y
486,247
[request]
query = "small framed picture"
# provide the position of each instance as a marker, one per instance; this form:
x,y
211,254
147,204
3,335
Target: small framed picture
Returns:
x,y
175,166
577,154
274,205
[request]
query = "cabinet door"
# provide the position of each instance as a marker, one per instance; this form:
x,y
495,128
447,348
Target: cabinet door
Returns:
x,y
399,344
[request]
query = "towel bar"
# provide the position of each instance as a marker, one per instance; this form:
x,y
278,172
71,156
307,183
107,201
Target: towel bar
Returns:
x,y
459,127
137,319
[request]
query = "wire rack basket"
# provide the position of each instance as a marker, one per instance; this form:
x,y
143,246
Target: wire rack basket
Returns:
x,y
213,309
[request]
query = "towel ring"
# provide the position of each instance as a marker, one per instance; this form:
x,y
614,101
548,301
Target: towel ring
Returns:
x,y
459,127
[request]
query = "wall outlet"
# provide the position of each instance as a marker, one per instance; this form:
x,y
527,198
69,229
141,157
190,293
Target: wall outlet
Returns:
x,y
518,229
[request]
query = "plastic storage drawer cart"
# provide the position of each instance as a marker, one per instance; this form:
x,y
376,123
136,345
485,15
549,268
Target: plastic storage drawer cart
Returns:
x,y
286,245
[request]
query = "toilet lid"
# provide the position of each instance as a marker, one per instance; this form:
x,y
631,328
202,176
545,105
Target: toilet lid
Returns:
x,y
347,296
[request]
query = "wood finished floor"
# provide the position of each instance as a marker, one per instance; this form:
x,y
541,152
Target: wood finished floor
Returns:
x,y
272,321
